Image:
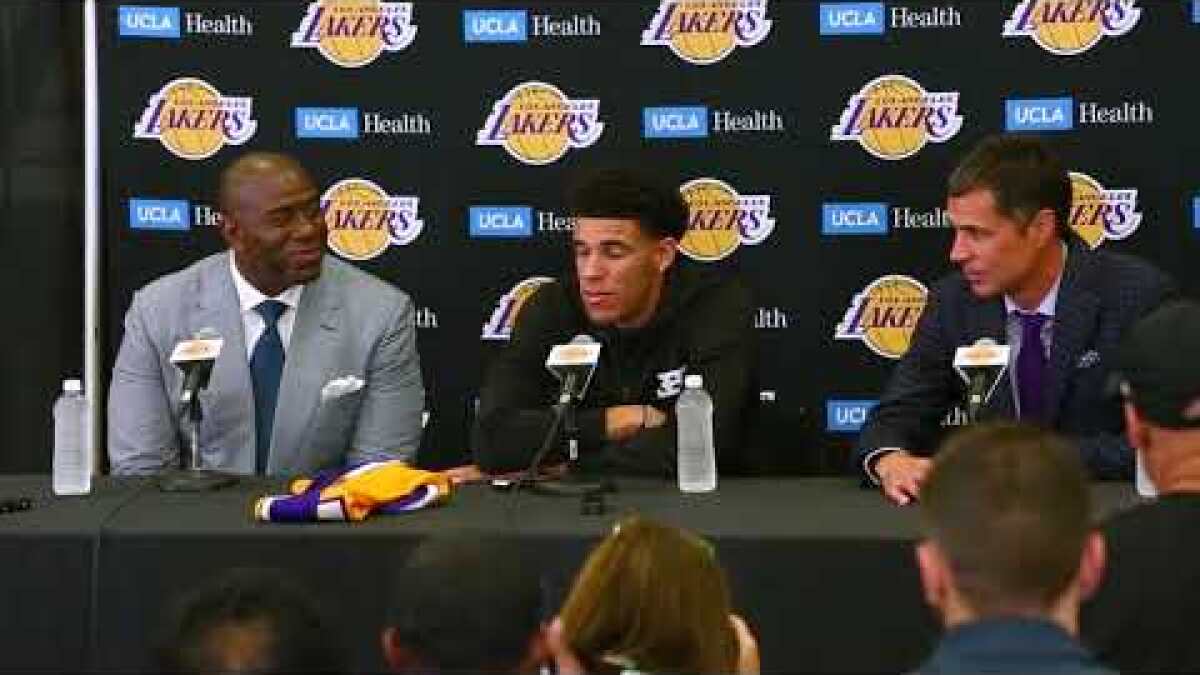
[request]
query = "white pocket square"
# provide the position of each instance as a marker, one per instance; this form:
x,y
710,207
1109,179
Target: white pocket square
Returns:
x,y
1088,359
340,387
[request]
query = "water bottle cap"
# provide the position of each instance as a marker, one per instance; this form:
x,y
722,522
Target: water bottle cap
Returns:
x,y
693,381
73,386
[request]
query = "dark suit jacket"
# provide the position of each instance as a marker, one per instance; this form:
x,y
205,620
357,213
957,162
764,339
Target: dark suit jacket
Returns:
x,y
1101,294
1010,645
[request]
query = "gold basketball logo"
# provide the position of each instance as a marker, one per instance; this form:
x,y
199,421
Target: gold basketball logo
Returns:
x,y
1070,28
193,120
1099,214
893,117
353,33
536,123
884,315
720,220
706,31
363,219
500,325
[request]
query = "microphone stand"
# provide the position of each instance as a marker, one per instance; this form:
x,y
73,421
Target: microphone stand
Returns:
x,y
975,396
193,478
571,484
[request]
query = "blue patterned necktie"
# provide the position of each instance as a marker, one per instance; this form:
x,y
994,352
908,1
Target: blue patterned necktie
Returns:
x,y
266,367
1031,367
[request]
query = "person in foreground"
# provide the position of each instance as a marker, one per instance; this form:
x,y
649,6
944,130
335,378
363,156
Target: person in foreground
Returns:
x,y
651,598
1009,553
1141,620
249,621
465,604
293,321
1025,279
656,320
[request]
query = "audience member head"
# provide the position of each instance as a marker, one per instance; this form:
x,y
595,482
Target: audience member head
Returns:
x,y
654,598
1010,203
271,219
626,230
249,621
1159,371
1008,529
465,604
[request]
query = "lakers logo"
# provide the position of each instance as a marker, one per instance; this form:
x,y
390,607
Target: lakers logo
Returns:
x,y
706,31
720,220
353,33
536,123
884,315
193,120
363,219
500,325
1099,214
1069,27
893,117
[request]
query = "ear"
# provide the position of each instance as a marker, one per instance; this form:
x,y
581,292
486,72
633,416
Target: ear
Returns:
x,y
1136,431
664,253
934,575
1091,564
1045,226
228,226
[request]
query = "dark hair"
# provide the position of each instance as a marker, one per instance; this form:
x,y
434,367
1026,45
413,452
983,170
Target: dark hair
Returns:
x,y
284,629
1009,507
625,193
467,602
1023,175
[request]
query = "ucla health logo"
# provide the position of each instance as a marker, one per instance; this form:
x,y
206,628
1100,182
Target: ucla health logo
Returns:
x,y
536,123
852,18
327,123
499,326
706,31
495,26
500,222
1039,114
688,121
1070,28
720,219
893,117
1099,214
193,120
884,315
159,214
854,218
363,219
353,33
149,22
847,416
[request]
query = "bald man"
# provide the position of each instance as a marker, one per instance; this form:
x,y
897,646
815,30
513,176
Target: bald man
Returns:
x,y
319,366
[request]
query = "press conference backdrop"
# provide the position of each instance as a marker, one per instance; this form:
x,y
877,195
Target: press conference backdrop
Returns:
x,y
810,140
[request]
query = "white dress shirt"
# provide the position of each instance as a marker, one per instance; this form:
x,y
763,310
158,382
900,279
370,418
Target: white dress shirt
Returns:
x,y
253,324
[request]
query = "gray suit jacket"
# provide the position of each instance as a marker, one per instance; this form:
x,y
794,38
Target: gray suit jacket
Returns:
x,y
347,323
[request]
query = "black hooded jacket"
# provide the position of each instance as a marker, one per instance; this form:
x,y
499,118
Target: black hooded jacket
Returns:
x,y
704,325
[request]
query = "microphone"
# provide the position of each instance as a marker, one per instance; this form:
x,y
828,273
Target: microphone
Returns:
x,y
195,357
573,364
981,366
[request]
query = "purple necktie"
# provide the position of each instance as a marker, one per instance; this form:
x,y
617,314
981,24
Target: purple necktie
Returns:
x,y
1031,367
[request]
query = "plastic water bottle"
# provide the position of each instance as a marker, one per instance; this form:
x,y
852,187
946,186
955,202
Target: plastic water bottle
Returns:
x,y
72,466
696,455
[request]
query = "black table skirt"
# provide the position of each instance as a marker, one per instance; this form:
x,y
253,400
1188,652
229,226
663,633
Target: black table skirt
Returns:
x,y
822,569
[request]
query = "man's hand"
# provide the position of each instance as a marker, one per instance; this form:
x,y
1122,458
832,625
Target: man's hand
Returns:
x,y
901,474
623,422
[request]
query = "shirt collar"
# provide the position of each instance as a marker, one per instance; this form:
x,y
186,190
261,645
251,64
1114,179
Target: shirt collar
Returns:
x,y
1049,301
250,297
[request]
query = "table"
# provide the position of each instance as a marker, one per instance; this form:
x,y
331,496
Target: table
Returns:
x,y
821,568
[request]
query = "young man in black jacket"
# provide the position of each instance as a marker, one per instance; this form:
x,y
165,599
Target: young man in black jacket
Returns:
x,y
656,321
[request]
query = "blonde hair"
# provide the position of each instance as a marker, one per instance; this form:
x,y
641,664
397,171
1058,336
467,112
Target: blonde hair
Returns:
x,y
653,595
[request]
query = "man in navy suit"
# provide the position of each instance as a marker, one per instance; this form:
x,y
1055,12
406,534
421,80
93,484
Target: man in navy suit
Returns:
x,y
1024,278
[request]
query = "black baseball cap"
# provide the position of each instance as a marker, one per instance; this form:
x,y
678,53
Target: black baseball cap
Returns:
x,y
1158,365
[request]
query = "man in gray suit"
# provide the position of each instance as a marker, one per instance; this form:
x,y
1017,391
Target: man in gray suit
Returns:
x,y
319,366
